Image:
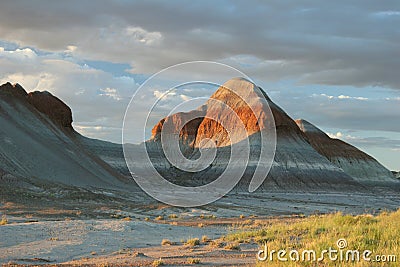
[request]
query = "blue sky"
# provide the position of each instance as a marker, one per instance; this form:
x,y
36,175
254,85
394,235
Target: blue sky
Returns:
x,y
332,63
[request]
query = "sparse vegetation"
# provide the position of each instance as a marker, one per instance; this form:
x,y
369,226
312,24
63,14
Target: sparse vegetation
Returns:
x,y
147,219
166,242
379,234
192,242
242,216
205,239
232,246
217,243
158,262
159,218
4,220
173,216
207,216
193,261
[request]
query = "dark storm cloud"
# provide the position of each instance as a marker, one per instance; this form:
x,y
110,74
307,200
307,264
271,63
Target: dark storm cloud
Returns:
x,y
336,42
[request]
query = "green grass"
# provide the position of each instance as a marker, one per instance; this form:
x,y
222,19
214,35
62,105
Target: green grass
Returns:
x,y
379,234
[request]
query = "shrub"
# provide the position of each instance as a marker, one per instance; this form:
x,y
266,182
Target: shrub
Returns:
x,y
192,242
217,244
4,220
232,246
158,262
166,242
205,239
193,260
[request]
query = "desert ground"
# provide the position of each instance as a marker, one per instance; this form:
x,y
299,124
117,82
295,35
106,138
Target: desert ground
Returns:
x,y
61,226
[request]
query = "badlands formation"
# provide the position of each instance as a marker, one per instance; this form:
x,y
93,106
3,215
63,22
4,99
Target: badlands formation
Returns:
x,y
305,158
40,151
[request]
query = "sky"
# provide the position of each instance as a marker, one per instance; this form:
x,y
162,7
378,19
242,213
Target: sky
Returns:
x,y
333,63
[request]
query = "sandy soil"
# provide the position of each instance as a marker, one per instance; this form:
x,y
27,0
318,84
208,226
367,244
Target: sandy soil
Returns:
x,y
61,241
119,242
61,226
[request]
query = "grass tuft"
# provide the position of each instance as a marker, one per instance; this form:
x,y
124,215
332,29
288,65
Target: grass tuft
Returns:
x,y
193,260
192,242
205,239
159,218
4,220
379,234
157,263
173,216
166,242
232,246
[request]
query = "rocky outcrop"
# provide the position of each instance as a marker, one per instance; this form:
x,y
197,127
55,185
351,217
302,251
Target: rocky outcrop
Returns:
x,y
35,145
353,161
44,102
189,131
53,107
297,165
13,90
305,158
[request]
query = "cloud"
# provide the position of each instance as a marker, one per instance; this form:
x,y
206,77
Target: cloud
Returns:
x,y
371,141
339,46
337,135
163,96
341,97
375,141
140,35
328,108
111,92
185,97
97,98
18,54
316,42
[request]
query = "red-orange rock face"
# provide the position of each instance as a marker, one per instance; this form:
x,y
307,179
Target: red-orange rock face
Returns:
x,y
302,149
248,103
238,95
189,130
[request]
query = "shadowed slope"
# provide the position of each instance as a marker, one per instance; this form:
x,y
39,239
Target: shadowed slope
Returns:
x,y
38,142
353,161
